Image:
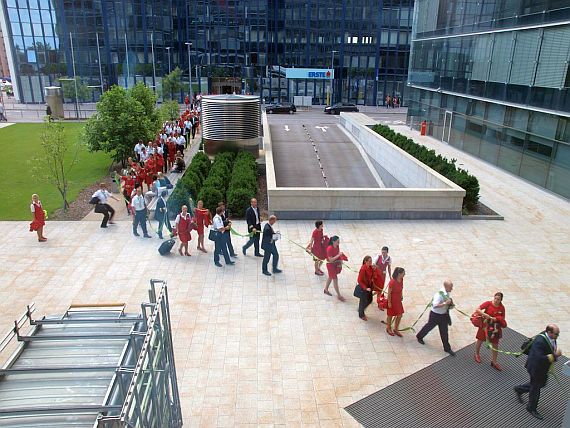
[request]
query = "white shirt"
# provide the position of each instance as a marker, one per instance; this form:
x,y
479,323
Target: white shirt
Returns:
x,y
150,150
217,222
144,156
438,300
256,216
159,150
138,148
138,202
102,195
33,208
181,140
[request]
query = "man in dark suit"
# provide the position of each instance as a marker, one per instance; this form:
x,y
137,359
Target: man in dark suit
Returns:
x,y
160,214
269,247
227,235
253,225
543,352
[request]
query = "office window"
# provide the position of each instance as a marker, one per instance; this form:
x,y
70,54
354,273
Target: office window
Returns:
x,y
500,58
526,49
552,63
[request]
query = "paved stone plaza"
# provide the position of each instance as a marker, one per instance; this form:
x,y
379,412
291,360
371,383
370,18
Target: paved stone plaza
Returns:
x,y
253,350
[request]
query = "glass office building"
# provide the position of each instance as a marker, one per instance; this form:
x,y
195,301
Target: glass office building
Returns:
x,y
492,78
249,41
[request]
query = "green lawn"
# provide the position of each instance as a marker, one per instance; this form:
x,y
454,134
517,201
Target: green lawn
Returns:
x,y
20,144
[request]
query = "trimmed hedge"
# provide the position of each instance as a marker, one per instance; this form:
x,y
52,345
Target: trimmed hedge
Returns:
x,y
243,183
445,167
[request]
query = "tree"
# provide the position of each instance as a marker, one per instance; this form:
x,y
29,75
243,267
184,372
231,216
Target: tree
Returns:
x,y
169,110
171,83
55,165
123,118
68,89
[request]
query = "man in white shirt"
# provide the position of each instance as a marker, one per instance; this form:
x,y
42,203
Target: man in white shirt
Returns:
x,y
102,207
439,316
139,205
138,149
220,246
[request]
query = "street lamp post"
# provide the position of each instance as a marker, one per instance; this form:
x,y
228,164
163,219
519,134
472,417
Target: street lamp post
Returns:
x,y
189,70
168,50
74,76
332,78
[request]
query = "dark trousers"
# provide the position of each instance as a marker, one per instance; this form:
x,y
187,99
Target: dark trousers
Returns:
x,y
533,388
227,241
161,223
268,252
107,211
221,248
365,300
140,218
194,131
440,320
254,240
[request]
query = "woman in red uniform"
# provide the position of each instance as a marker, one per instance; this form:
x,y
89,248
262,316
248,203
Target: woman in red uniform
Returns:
x,y
383,264
171,153
395,307
148,174
493,314
202,220
128,187
317,247
39,218
183,229
366,282
334,266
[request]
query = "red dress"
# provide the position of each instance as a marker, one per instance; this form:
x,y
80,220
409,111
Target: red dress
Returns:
x,y
333,269
202,219
183,227
39,217
148,177
171,151
496,312
396,298
317,249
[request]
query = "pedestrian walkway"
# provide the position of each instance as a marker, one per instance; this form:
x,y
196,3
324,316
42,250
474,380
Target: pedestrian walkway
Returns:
x,y
253,350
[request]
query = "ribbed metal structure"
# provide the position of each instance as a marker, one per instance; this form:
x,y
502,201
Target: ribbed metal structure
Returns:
x,y
230,121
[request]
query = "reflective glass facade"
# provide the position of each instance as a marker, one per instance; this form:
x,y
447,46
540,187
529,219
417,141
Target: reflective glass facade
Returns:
x,y
249,40
492,78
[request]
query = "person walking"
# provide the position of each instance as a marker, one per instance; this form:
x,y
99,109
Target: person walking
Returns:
x,y
269,247
220,247
493,313
394,298
203,219
383,264
334,266
439,316
102,207
39,218
253,226
161,215
183,228
2,113
139,205
543,352
317,246
365,282
227,235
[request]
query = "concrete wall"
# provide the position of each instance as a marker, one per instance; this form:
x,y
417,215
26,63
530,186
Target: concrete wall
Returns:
x,y
442,201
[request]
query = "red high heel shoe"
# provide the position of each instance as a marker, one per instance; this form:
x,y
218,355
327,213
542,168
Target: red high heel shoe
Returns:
x,y
397,333
496,365
390,332
478,359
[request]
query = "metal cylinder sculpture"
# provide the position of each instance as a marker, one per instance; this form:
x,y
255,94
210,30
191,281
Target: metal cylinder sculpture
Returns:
x,y
229,122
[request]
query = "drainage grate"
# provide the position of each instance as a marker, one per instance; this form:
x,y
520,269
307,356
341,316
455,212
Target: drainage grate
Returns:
x,y
457,392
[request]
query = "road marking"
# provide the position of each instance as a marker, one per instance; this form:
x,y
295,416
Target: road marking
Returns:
x,y
287,128
322,128
399,122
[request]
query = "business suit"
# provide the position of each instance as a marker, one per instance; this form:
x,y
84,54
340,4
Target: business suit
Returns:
x,y
160,215
269,248
226,236
253,222
541,354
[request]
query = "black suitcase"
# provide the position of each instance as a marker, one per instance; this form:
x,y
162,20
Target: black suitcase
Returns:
x,y
166,246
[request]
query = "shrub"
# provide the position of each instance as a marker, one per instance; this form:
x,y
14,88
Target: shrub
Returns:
x,y
191,183
445,167
177,198
239,199
210,196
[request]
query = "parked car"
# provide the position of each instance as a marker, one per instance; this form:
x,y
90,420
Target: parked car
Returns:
x,y
338,107
281,108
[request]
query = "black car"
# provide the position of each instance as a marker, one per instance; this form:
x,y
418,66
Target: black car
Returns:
x,y
338,107
281,108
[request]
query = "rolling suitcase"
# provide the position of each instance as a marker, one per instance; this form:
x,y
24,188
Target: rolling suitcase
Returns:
x,y
166,246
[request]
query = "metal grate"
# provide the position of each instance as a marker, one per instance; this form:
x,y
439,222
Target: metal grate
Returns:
x,y
457,392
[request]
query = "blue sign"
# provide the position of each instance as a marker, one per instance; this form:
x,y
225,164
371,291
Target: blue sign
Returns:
x,y
309,73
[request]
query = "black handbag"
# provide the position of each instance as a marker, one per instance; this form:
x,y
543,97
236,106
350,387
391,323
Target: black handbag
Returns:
x,y
213,235
357,291
94,200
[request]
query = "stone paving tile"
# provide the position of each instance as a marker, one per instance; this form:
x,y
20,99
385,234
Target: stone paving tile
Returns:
x,y
258,351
